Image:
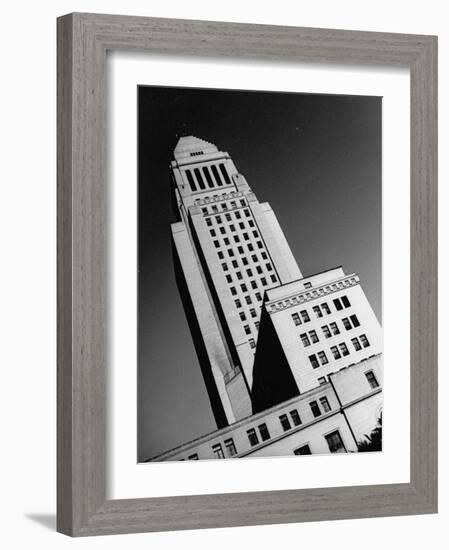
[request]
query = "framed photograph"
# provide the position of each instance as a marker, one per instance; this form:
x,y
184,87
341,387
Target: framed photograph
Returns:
x,y
247,281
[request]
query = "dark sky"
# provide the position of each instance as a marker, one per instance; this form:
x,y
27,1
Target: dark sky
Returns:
x,y
315,158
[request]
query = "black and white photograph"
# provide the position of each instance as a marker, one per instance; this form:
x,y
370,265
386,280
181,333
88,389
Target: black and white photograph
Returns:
x,y
259,274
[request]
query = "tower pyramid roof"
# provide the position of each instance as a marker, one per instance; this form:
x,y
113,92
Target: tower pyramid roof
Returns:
x,y
191,144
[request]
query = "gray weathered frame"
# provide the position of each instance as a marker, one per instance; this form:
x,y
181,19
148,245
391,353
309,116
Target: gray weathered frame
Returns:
x,y
83,40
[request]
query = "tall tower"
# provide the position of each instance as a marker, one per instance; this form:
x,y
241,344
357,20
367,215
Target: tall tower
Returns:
x,y
229,250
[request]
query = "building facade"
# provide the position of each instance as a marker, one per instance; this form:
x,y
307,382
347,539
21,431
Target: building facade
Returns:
x,y
290,363
330,418
229,250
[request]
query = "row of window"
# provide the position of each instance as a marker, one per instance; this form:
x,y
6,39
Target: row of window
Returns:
x,y
338,351
288,420
245,262
223,208
208,177
311,337
320,310
334,442
229,216
232,227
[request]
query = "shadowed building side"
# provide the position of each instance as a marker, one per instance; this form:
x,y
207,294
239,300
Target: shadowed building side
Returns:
x,y
273,381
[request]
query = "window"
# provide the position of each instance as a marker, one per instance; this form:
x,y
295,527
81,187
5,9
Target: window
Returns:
x,y
243,287
334,328
315,409
252,343
307,285
249,272
356,344
227,216
337,304
364,340
214,208
240,249
230,252
238,303
335,442
264,433
224,266
259,270
345,301
252,436
322,380
226,241
313,336
273,278
242,202
344,349
304,339
253,285
372,380
268,266
242,225
193,457
242,316
254,257
258,296
295,417
224,173
247,214
233,291
325,404
326,331
253,312
235,264
247,329
305,316
208,222
304,450
229,278
220,254
264,256
248,300
256,234
250,223
346,323
239,275
233,204
236,239
230,447
296,319
218,219
208,177
317,311
218,451
322,357
222,230
314,361
238,215
216,244
335,352
259,244
285,422
245,236
250,247
216,174
325,308
355,321
191,180
245,261
263,281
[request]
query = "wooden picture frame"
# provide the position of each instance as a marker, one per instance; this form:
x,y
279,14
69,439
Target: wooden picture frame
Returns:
x,y
83,40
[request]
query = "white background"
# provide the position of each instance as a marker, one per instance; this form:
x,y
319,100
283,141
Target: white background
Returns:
x,y
27,218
